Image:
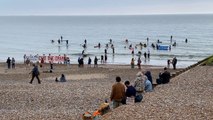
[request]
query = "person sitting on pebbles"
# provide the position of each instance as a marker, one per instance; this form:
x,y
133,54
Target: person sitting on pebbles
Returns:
x,y
164,77
62,78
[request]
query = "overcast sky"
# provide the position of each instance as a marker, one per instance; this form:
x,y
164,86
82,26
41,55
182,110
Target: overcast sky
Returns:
x,y
104,7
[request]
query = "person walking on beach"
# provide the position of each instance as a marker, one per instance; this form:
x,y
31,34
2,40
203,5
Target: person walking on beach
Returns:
x,y
25,57
8,62
89,62
132,63
174,62
168,63
51,63
35,73
13,63
95,62
139,63
117,93
102,59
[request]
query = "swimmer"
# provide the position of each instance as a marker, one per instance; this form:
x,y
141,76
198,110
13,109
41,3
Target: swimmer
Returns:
x,y
126,40
186,40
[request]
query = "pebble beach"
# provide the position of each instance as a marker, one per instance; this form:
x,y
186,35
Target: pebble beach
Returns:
x,y
187,96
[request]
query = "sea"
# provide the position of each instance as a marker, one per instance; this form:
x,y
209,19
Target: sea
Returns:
x,y
32,35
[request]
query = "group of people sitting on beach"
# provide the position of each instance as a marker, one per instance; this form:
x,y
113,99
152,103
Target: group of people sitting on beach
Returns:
x,y
142,84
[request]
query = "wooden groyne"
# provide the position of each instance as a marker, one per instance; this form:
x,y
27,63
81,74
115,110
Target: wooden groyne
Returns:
x,y
201,62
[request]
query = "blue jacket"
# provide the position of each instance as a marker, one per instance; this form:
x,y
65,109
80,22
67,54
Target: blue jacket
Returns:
x,y
35,71
130,91
148,86
149,76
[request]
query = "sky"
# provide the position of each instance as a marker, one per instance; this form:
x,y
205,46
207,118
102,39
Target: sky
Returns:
x,y
104,7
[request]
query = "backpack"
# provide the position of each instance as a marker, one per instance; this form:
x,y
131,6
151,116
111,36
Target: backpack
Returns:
x,y
139,85
138,98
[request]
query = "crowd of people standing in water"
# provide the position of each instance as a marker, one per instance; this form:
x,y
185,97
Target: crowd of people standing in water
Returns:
x,y
103,58
121,93
143,52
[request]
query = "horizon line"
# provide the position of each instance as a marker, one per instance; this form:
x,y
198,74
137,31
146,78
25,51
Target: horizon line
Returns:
x,y
114,14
